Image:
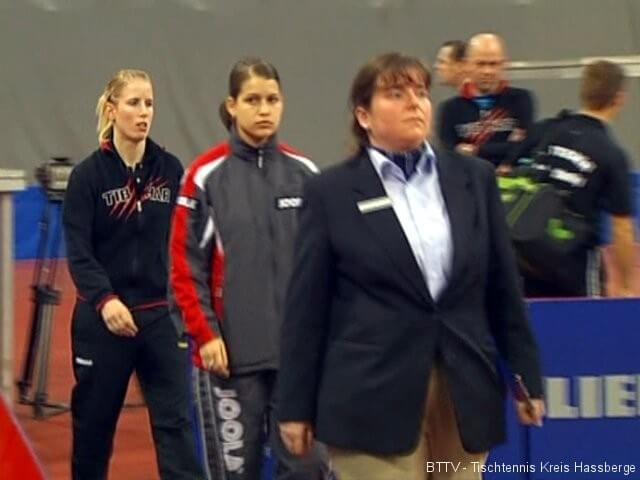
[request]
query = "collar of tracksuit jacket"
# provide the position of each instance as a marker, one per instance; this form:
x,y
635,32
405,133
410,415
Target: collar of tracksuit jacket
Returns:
x,y
150,155
249,153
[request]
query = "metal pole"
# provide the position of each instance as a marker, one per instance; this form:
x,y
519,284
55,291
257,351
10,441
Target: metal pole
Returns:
x,y
10,181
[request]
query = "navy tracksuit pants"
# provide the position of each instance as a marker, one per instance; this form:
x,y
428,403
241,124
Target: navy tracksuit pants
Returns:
x,y
102,366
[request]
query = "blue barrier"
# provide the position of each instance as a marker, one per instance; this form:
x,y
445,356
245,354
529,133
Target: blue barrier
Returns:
x,y
592,386
591,364
29,204
590,359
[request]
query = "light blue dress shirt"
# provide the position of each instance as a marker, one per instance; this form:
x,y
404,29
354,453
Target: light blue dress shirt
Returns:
x,y
419,205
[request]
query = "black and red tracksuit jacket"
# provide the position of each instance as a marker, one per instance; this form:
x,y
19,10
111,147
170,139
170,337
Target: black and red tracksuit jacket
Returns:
x,y
116,222
234,230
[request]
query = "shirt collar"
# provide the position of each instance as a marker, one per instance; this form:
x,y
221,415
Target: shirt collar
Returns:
x,y
386,168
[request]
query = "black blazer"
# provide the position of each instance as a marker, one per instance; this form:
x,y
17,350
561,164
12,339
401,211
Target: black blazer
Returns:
x,y
361,331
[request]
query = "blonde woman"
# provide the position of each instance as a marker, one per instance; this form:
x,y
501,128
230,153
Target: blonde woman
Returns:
x,y
117,215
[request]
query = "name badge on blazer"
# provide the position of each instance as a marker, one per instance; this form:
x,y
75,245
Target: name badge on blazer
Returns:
x,y
374,204
286,203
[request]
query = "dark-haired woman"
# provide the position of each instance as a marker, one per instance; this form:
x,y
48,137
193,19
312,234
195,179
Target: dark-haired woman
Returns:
x,y
231,253
403,295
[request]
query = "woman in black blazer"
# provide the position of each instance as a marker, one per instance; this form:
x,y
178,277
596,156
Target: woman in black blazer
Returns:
x,y
403,298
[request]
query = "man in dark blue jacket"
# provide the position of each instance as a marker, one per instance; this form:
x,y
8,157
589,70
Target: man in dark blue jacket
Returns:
x,y
489,115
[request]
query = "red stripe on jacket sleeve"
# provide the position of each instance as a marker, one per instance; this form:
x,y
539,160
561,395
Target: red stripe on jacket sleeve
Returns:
x,y
285,147
181,276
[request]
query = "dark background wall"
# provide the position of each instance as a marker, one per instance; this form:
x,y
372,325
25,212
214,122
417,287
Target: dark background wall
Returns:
x,y
56,56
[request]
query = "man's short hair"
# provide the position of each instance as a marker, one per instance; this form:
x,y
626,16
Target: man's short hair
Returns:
x,y
458,49
601,82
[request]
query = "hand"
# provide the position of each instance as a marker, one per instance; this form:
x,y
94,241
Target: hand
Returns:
x,y
621,292
531,413
466,149
297,437
517,135
214,357
627,292
503,169
118,318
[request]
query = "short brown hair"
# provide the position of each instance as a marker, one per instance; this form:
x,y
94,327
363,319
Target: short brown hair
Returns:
x,y
383,70
601,82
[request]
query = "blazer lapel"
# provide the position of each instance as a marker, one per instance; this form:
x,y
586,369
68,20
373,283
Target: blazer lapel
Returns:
x,y
461,207
383,222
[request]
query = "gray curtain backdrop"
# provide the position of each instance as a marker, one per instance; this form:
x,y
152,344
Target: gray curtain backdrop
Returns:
x,y
56,56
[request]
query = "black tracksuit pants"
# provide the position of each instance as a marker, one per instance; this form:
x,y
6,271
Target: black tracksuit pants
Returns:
x,y
236,421
580,275
102,366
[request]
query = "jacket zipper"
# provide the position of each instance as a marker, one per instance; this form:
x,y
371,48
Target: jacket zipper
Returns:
x,y
260,159
138,202
138,220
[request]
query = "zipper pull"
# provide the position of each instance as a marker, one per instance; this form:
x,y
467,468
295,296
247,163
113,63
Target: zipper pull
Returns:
x,y
139,206
260,158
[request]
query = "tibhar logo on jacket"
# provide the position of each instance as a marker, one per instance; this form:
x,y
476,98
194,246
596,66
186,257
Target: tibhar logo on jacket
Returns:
x,y
124,200
490,122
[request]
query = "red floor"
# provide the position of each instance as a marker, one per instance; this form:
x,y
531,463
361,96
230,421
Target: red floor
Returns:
x,y
133,457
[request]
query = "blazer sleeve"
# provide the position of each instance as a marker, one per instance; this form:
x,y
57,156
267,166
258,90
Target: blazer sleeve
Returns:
x,y
506,309
89,276
306,320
